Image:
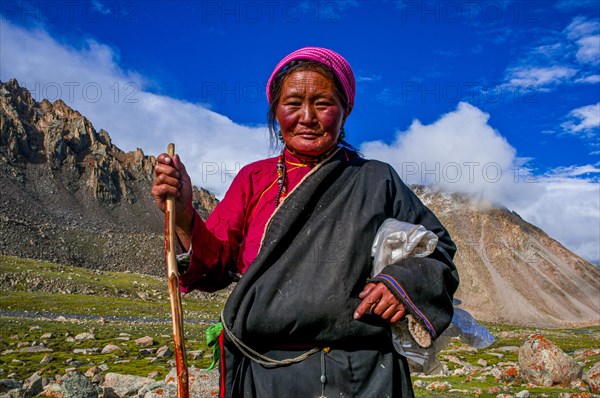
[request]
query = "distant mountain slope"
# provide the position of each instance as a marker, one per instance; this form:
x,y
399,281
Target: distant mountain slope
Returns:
x,y
70,196
512,271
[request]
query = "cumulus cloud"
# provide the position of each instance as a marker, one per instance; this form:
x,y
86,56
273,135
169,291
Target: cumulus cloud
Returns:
x,y
586,34
572,56
89,79
540,77
584,121
462,152
459,152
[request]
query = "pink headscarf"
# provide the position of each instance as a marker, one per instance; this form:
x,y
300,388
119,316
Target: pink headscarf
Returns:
x,y
327,57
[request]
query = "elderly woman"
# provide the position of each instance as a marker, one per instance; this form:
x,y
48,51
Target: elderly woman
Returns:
x,y
306,319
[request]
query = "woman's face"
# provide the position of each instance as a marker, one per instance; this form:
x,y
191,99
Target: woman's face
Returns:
x,y
310,113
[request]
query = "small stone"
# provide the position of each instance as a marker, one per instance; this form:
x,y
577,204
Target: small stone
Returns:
x,y
46,336
164,352
438,386
145,352
196,354
85,336
508,375
482,362
494,390
511,349
103,367
8,385
22,344
578,385
34,328
98,379
35,349
93,371
153,375
523,394
33,385
69,340
110,348
419,384
146,341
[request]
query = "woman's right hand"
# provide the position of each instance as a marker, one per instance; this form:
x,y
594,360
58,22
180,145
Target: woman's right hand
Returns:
x,y
171,179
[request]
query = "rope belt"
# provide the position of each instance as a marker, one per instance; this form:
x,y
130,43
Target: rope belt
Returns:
x,y
260,358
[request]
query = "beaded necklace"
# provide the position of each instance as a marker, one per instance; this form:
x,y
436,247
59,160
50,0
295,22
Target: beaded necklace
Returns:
x,y
282,170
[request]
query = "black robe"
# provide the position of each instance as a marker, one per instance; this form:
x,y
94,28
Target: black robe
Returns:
x,y
302,290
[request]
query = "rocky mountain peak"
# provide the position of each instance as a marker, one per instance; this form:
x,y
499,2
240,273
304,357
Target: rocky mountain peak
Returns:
x,y
62,171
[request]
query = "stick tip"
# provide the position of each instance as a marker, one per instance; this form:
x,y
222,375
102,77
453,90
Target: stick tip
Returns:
x,y
171,149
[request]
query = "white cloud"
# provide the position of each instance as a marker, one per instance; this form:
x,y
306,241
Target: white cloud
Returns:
x,y
561,57
101,8
581,27
540,77
589,50
367,78
461,152
573,171
567,209
90,80
584,121
591,79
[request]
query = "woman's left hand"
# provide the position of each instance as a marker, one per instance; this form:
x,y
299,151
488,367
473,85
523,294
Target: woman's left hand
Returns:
x,y
377,298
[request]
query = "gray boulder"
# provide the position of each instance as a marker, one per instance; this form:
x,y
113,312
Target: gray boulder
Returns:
x,y
593,378
71,385
544,364
121,386
33,385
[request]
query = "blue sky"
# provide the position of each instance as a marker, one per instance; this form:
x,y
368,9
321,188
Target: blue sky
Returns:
x,y
499,98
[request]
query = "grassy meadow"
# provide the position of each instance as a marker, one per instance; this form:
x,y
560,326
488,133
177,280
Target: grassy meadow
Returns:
x,y
34,293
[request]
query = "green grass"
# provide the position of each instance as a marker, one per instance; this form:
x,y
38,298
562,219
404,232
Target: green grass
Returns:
x,y
37,289
16,330
35,302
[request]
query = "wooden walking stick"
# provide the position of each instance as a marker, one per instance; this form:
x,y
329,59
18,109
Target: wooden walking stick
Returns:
x,y
174,295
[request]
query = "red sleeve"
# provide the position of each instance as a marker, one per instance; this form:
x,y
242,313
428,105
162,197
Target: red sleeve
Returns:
x,y
216,243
